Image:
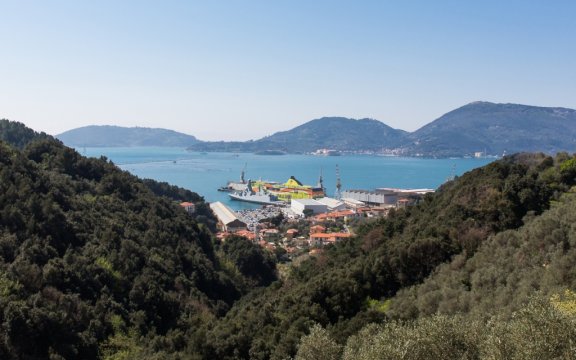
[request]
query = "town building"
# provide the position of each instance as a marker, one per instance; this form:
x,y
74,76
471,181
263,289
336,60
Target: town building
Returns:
x,y
336,215
228,221
353,203
317,229
332,204
247,234
189,207
301,206
319,239
270,235
291,233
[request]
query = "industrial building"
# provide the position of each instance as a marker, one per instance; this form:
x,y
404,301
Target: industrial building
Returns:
x,y
332,204
376,197
353,203
299,206
227,219
386,197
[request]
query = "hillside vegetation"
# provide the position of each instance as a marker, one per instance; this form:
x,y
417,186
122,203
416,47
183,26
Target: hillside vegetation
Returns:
x,y
106,135
355,283
98,264
495,129
510,300
482,127
94,265
336,133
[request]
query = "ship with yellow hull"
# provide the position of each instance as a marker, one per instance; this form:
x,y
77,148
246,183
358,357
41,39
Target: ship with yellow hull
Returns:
x,y
291,189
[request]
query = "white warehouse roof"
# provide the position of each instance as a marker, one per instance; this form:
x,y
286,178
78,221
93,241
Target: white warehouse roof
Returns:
x,y
309,202
330,202
224,214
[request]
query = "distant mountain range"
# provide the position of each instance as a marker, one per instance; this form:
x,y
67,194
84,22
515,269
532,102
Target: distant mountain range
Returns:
x,y
479,127
494,129
336,133
106,135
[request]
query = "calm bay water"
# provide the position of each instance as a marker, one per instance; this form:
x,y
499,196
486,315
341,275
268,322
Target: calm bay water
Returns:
x,y
204,173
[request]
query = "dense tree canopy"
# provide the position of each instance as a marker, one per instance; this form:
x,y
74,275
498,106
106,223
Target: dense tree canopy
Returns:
x,y
90,256
96,263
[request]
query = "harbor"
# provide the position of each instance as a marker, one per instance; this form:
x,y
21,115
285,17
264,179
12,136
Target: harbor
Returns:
x,y
205,173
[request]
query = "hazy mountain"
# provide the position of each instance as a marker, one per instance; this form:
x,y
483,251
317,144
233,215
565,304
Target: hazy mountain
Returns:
x,y
495,128
476,127
337,133
123,136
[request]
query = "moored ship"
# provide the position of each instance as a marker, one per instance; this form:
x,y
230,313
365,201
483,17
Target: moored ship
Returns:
x,y
233,186
266,192
261,196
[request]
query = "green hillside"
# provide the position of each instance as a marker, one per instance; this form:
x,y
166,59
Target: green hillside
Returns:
x,y
495,129
479,127
94,264
336,133
110,136
355,282
513,298
98,264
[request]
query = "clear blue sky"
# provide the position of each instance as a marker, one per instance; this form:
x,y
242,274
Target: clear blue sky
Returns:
x,y
245,69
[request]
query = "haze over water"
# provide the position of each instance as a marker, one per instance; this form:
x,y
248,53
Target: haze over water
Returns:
x,y
204,173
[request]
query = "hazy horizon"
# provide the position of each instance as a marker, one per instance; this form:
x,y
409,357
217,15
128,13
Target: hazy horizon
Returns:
x,y
241,71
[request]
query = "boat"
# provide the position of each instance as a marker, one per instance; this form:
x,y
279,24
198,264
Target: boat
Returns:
x,y
269,192
270,152
327,152
262,196
233,186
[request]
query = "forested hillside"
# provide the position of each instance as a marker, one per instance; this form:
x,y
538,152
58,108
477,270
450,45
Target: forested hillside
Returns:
x,y
495,129
478,127
355,282
336,133
98,264
107,135
94,265
511,299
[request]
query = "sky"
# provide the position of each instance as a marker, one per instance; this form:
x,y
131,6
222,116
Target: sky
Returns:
x,y
240,70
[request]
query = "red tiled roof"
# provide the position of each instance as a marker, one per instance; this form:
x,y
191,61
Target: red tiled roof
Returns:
x,y
246,233
335,214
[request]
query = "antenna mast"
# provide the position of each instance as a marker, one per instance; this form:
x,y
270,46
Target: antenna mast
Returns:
x,y
452,173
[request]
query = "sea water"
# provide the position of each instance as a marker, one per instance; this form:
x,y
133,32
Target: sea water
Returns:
x,y
204,173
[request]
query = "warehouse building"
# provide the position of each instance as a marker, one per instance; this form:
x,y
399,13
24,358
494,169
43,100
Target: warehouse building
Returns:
x,y
302,206
227,219
332,204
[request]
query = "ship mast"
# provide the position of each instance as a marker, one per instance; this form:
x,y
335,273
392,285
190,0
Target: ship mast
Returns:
x,y
320,181
338,193
242,180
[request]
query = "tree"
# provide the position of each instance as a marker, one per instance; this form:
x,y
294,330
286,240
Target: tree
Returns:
x,y
318,345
